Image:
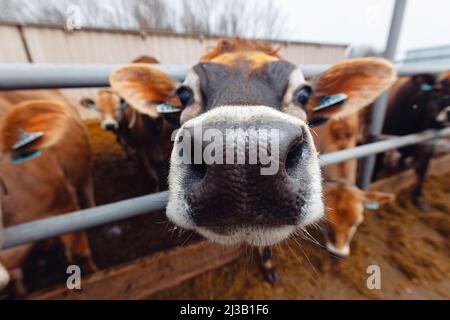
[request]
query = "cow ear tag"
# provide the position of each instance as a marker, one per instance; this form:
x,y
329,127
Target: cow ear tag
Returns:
x,y
372,205
330,101
168,112
165,108
426,87
26,138
20,158
317,122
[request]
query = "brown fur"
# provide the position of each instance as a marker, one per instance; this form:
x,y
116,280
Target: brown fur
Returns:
x,y
150,134
334,136
344,209
47,185
235,45
362,80
146,59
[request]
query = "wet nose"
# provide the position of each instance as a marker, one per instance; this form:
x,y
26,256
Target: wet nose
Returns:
x,y
110,125
244,174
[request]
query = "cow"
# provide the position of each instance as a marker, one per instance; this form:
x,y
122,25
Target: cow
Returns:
x,y
142,130
344,211
415,104
343,214
13,97
242,86
45,170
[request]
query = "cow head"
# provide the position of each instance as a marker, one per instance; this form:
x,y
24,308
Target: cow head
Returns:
x,y
344,212
433,99
244,168
109,105
443,99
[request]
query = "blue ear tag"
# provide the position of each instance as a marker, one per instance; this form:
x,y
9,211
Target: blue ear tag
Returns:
x,y
168,113
329,101
372,205
20,158
167,108
426,87
316,122
26,138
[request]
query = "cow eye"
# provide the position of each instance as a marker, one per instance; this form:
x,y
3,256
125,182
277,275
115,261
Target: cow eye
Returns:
x,y
185,95
303,94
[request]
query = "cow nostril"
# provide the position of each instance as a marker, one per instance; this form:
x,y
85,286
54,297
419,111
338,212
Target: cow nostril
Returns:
x,y
294,153
199,170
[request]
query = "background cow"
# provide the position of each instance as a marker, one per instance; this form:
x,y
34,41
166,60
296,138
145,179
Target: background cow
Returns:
x,y
141,129
344,210
415,104
45,170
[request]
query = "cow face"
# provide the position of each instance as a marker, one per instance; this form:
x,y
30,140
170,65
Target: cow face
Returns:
x,y
244,168
345,205
109,105
442,97
433,100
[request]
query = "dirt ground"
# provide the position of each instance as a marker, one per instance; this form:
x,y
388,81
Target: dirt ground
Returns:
x,y
411,248
115,179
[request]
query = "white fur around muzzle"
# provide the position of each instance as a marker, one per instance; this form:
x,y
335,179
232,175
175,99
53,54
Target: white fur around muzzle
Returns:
x,y
178,208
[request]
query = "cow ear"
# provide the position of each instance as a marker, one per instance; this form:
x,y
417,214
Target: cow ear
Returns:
x,y
348,86
375,199
88,103
144,87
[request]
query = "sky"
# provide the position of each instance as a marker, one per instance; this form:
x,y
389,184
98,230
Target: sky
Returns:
x,y
426,22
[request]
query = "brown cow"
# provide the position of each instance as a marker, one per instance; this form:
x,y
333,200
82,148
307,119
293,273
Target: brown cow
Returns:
x,y
344,210
246,85
137,128
416,104
41,175
242,85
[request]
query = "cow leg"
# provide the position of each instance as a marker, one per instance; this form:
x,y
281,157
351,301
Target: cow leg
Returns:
x,y
4,277
151,172
423,158
77,250
269,271
76,244
88,193
11,261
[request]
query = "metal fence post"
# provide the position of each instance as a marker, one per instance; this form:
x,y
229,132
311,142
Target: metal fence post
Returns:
x,y
379,109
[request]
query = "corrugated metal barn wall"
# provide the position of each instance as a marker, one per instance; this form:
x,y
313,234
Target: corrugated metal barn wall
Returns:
x,y
56,45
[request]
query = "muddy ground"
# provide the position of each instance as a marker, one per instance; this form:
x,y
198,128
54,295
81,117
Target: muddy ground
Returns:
x,y
411,248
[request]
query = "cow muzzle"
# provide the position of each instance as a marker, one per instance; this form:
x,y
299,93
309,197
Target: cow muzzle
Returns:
x,y
244,174
109,125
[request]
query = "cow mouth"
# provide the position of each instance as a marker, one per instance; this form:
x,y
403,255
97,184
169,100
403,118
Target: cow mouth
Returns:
x,y
259,236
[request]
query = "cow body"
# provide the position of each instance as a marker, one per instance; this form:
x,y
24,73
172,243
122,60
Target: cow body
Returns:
x,y
135,129
415,104
243,86
51,183
152,140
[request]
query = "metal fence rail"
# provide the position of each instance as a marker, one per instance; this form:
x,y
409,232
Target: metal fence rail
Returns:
x,y
44,76
54,226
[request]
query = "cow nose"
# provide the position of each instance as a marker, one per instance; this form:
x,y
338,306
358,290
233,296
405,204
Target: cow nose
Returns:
x,y
245,174
110,125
